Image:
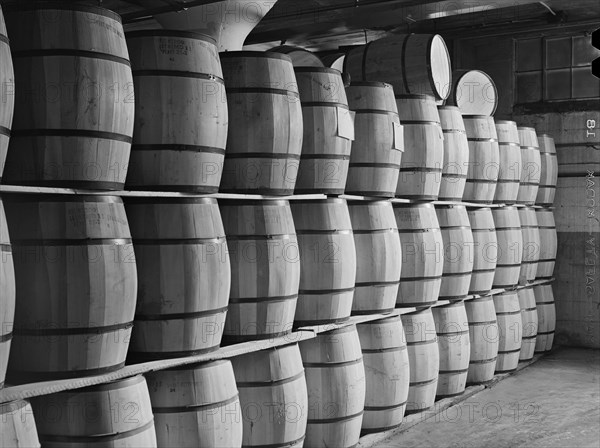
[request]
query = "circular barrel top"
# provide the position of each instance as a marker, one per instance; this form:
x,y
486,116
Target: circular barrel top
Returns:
x,y
474,92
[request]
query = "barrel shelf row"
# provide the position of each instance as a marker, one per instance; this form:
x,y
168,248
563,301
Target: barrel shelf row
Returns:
x,y
4,189
24,391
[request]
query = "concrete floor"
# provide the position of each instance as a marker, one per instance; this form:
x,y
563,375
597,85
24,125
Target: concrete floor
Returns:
x,y
555,402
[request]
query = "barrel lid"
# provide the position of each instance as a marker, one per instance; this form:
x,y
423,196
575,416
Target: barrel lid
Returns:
x,y
506,122
170,33
413,205
60,5
525,128
448,107
477,116
255,54
317,70
253,202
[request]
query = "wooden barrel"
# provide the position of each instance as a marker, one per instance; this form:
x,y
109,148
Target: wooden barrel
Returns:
x,y
378,256
75,319
546,312
7,98
273,397
423,158
264,138
299,56
17,425
483,338
334,60
74,109
183,276
484,159
265,268
531,165
548,243
424,359
412,63
452,328
328,131
474,92
509,174
485,250
422,254
456,154
531,244
180,126
196,405
530,323
387,373
8,293
510,325
110,415
458,251
379,140
548,171
335,377
327,260
510,247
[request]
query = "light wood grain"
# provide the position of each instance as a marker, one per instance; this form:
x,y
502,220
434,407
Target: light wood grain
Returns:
x,y
335,378
484,339
484,159
184,276
485,250
17,425
265,269
378,256
197,405
546,314
529,317
74,111
7,294
75,273
452,328
424,359
375,159
510,247
273,397
423,158
510,325
387,372
548,243
114,414
7,95
509,176
456,154
422,255
264,137
531,244
181,115
531,166
548,171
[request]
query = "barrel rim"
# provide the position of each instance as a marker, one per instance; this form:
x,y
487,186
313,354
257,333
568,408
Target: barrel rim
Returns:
x,y
526,128
506,122
476,116
170,33
439,92
448,107
491,82
546,135
62,6
427,205
253,202
255,54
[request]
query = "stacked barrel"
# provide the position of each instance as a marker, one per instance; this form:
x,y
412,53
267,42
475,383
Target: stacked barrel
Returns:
x,y
74,263
180,273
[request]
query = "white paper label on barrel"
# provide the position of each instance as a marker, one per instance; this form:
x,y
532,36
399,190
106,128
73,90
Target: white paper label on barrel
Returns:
x,y
345,119
398,140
